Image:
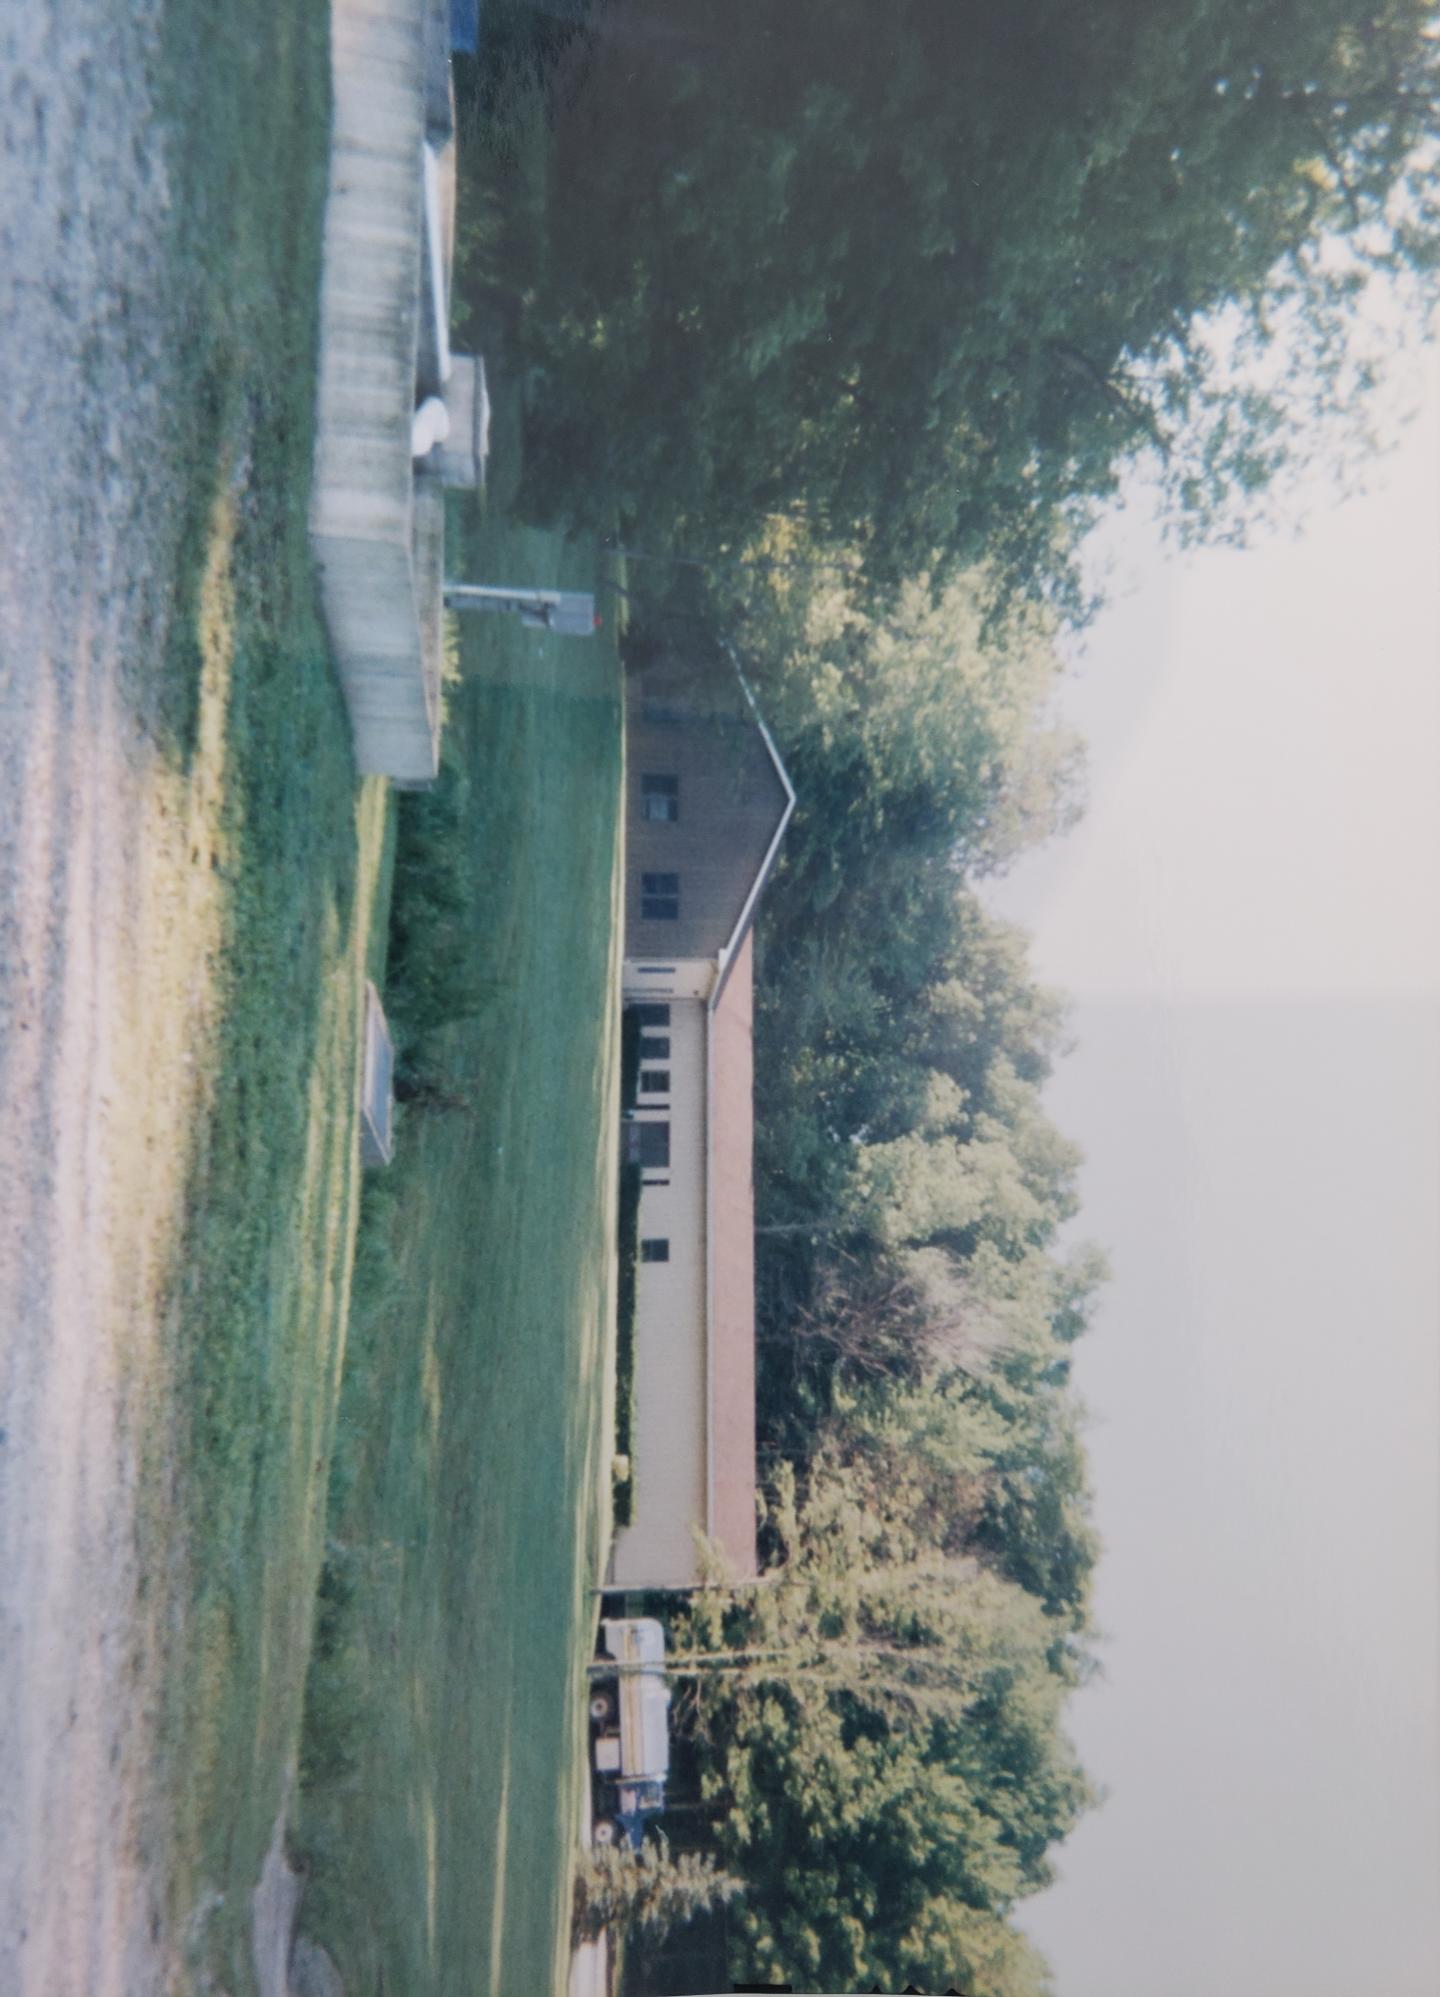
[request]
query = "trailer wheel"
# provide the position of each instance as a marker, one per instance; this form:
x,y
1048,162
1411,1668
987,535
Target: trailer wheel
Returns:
x,y
601,1706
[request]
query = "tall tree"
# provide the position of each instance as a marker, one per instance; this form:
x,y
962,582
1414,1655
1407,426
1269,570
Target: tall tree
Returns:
x,y
916,732
934,273
885,1763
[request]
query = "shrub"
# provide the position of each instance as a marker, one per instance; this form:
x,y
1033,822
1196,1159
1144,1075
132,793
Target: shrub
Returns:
x,y
647,1892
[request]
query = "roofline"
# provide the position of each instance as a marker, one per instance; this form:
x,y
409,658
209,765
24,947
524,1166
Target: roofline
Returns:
x,y
726,958
746,916
708,1027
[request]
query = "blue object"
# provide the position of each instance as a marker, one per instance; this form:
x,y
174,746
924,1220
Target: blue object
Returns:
x,y
465,25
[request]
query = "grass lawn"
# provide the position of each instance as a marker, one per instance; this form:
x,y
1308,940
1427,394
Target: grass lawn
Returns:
x,y
470,1496
266,868
440,1803
456,1413
469,1507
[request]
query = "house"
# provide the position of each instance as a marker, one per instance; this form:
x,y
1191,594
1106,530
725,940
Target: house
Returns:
x,y
708,802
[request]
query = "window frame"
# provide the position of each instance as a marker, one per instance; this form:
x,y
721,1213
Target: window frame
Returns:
x,y
659,798
660,897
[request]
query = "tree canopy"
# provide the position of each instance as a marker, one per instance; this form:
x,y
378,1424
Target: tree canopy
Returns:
x,y
887,1769
932,274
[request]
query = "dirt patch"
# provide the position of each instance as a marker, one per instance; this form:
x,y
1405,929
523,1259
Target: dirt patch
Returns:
x,y
312,1973
103,998
286,1964
274,1905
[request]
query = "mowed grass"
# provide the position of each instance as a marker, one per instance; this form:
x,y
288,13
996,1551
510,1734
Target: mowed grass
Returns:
x,y
469,1513
444,1741
469,1483
266,871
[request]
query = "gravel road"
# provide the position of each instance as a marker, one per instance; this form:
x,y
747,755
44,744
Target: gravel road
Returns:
x,y
86,549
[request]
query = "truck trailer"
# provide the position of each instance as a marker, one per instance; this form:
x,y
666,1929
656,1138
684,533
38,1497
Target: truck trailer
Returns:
x,y
630,1715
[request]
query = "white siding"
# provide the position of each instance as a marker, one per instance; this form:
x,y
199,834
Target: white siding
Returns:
x,y
670,1386
659,977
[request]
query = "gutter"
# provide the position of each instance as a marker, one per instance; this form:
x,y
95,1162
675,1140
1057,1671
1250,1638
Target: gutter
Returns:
x,y
710,1263
725,960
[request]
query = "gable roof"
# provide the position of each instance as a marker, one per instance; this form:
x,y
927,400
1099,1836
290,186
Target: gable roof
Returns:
x,y
742,927
697,740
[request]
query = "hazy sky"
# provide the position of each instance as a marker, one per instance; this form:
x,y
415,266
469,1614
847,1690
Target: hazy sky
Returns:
x,y
1249,919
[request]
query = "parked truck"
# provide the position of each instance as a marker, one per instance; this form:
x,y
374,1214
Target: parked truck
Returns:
x,y
630,1716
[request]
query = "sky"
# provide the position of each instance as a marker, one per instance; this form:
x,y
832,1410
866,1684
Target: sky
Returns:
x,y
1248,921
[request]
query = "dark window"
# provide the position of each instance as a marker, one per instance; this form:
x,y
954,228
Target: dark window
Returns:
x,y
654,1081
654,1144
655,1251
654,1046
660,799
653,1015
660,897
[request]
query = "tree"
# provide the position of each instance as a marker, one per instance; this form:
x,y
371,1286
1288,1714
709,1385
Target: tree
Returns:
x,y
912,732
646,1892
931,275
883,1757
922,755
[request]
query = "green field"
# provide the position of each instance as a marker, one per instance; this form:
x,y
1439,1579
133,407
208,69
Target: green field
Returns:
x,y
407,1420
469,1506
265,892
444,1740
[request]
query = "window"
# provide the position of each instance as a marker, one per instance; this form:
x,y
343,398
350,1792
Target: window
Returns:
x,y
654,1046
655,1251
654,1144
660,897
654,1081
660,799
653,1015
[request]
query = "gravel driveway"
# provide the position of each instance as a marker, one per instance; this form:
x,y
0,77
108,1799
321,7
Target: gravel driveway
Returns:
x,y
94,1102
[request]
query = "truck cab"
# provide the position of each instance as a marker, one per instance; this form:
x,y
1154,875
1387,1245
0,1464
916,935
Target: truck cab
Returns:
x,y
630,1716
